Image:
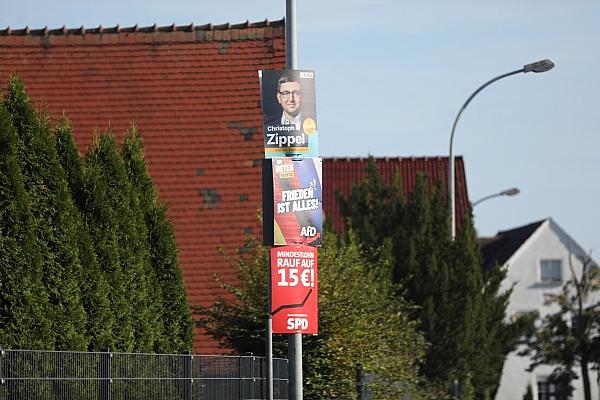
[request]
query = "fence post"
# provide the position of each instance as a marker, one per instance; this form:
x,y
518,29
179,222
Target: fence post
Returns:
x,y
252,386
241,376
359,381
265,390
246,386
455,388
105,375
187,375
2,380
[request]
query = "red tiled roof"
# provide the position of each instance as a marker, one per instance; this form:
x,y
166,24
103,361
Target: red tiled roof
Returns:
x,y
193,93
340,174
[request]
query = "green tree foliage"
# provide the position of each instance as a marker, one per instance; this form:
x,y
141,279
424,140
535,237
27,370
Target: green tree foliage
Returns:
x,y
239,323
168,286
94,288
24,321
54,219
361,320
458,306
82,243
570,337
121,245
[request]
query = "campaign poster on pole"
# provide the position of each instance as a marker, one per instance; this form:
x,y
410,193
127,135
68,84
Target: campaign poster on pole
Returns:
x,y
294,290
292,201
289,113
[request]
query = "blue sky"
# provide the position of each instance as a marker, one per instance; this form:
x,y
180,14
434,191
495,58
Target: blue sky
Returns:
x,y
392,75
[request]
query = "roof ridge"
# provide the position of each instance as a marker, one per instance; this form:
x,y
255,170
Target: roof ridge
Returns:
x,y
45,31
387,158
509,244
531,225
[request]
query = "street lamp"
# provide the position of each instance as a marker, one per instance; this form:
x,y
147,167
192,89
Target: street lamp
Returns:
x,y
539,66
508,192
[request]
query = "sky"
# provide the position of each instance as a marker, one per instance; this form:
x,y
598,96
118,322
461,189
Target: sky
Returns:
x,y
392,75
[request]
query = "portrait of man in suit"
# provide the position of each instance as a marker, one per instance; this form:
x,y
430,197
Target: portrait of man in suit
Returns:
x,y
289,115
289,97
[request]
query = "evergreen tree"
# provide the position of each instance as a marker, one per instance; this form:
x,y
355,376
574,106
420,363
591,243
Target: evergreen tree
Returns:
x,y
54,219
24,319
459,309
77,269
468,330
121,245
148,322
361,321
379,212
95,289
168,288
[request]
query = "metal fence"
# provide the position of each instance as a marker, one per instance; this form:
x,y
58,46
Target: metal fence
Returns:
x,y
58,375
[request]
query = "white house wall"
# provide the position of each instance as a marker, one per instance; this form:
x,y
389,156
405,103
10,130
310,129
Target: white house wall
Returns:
x,y
548,242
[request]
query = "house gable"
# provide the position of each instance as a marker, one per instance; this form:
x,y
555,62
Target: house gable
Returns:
x,y
538,242
506,244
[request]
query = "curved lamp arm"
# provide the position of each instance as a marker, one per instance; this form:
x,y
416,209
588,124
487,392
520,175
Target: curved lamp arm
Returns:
x,y
537,67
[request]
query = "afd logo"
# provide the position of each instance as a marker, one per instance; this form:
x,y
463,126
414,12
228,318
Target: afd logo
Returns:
x,y
308,231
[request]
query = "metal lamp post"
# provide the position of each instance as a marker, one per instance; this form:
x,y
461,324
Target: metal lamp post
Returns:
x,y
295,340
537,67
508,192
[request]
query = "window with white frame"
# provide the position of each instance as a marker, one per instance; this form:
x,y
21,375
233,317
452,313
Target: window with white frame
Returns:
x,y
551,270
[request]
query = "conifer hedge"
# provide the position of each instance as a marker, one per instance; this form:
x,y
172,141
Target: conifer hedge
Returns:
x,y
167,278
24,303
88,259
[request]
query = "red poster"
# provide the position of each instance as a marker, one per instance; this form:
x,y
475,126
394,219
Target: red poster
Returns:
x,y
294,289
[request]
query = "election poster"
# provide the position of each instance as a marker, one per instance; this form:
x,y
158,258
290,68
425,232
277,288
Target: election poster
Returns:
x,y
294,290
292,201
289,113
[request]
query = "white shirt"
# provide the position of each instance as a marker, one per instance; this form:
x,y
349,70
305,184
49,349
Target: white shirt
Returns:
x,y
294,121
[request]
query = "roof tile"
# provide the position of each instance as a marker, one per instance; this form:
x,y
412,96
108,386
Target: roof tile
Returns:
x,y
340,174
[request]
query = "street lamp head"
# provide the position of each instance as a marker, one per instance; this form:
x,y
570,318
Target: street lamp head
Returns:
x,y
510,192
539,66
